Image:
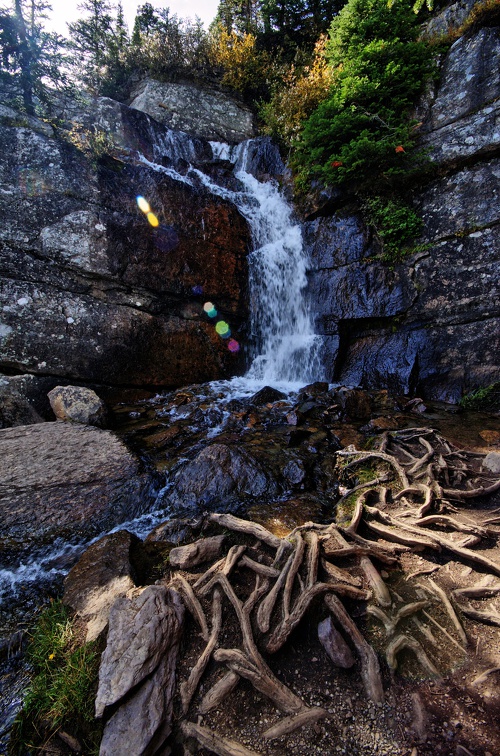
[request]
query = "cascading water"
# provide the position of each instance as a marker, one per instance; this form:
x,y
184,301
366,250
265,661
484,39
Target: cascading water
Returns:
x,y
284,352
284,349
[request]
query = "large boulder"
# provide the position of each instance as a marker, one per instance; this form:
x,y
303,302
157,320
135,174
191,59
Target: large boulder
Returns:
x,y
220,477
68,480
198,110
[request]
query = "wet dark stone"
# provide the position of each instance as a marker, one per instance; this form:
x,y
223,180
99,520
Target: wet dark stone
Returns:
x,y
267,395
174,532
315,390
220,478
294,472
354,403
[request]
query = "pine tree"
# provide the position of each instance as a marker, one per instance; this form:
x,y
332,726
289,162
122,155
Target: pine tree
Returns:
x,y
92,38
241,16
31,55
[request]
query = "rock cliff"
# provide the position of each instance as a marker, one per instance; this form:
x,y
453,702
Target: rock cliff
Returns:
x,y
90,291
430,325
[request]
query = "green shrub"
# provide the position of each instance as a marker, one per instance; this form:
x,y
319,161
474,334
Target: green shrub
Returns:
x,y
395,224
362,131
487,398
63,686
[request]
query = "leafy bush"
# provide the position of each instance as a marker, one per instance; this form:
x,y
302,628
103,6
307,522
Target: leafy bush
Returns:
x,y
395,225
487,398
235,54
296,94
63,686
362,130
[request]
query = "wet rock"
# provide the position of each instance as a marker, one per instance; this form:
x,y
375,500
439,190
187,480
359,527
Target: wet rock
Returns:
x,y
64,479
266,395
173,532
353,402
334,644
315,390
102,575
294,418
78,405
220,477
415,405
294,472
185,557
138,670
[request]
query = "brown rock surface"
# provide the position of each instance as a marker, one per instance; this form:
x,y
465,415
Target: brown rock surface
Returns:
x,y
103,574
61,479
78,404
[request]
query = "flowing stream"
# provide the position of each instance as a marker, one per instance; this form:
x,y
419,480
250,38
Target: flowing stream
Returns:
x,y
284,350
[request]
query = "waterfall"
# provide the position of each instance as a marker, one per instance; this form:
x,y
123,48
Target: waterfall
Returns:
x,y
284,348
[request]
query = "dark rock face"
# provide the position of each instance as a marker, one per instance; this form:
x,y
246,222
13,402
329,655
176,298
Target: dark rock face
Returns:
x,y
221,478
61,479
91,291
430,325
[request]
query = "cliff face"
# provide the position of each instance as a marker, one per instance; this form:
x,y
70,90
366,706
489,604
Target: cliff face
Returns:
x,y
432,324
90,291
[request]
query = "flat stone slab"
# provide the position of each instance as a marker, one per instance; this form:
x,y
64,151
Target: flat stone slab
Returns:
x,y
60,479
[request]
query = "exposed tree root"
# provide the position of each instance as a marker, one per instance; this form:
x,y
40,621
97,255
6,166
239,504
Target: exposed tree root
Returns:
x,y
269,587
289,724
214,743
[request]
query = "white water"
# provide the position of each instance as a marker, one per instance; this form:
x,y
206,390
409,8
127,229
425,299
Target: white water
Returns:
x,y
284,348
284,351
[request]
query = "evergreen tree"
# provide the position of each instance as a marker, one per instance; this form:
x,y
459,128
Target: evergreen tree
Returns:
x,y
289,24
92,40
241,16
33,56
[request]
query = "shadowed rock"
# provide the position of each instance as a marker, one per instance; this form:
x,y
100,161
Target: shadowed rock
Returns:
x,y
140,656
62,479
220,476
334,644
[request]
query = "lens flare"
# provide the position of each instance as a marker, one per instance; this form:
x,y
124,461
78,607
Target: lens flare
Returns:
x,y
153,220
210,310
233,345
222,328
143,204
197,290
